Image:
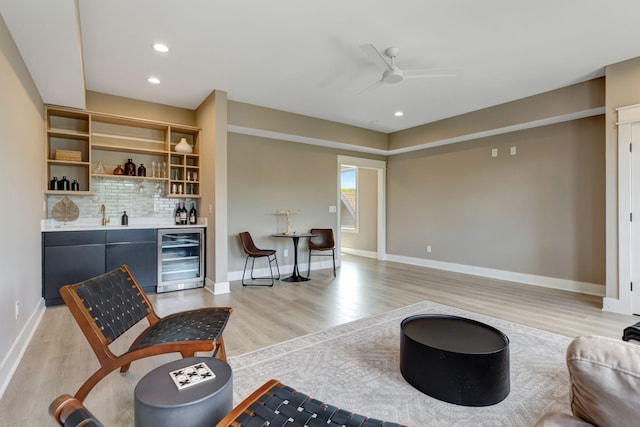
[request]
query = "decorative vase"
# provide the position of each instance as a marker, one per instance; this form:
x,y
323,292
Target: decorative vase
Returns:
x,y
118,170
99,169
183,146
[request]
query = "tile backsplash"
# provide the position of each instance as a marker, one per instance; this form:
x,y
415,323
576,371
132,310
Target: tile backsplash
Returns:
x,y
141,199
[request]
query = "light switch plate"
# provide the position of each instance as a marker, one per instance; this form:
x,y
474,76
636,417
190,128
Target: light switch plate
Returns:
x,y
332,209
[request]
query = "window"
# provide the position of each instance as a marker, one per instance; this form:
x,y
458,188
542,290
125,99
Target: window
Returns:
x,y
349,198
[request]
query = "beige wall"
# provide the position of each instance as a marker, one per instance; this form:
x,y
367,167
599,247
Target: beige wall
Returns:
x,y
267,119
23,184
266,175
121,106
540,212
579,97
366,239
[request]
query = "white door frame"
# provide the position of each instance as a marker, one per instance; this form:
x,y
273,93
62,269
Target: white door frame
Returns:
x,y
624,303
381,167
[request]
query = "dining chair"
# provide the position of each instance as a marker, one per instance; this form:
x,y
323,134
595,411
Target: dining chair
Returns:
x,y
322,243
253,252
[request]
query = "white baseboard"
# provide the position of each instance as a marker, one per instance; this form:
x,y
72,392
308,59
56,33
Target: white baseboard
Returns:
x,y
615,305
216,288
284,270
529,279
14,356
359,252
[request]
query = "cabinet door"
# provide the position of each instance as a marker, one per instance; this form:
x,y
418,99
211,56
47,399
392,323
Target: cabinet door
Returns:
x,y
64,265
140,257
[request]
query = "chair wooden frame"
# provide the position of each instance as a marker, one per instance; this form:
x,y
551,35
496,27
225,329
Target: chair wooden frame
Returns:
x,y
159,337
253,252
259,407
321,243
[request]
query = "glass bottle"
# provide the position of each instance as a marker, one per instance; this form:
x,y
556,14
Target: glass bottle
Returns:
x,y
118,170
142,171
130,168
63,184
75,186
193,215
54,184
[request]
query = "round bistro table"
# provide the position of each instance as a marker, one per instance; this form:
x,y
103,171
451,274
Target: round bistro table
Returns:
x,y
159,403
454,359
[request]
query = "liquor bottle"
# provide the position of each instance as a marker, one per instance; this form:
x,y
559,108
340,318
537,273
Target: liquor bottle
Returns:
x,y
125,219
177,215
130,168
63,184
183,215
193,216
54,184
142,171
75,186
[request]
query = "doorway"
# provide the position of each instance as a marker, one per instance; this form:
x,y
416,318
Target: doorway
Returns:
x,y
361,207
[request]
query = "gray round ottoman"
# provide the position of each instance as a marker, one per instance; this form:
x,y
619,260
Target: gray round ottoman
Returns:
x,y
159,402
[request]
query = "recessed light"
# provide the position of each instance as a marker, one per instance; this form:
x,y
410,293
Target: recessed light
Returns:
x,y
153,80
398,114
159,47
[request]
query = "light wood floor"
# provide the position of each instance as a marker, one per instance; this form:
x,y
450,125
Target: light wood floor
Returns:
x,y
58,359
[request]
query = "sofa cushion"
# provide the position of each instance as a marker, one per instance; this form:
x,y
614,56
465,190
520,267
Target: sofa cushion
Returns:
x,y
605,379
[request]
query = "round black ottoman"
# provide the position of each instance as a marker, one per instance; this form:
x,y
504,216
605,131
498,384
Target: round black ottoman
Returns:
x,y
159,403
454,359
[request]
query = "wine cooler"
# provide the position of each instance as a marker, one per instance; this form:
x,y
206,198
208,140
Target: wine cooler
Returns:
x,y
180,259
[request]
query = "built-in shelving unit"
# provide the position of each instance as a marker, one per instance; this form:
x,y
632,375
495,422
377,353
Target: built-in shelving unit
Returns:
x,y
111,140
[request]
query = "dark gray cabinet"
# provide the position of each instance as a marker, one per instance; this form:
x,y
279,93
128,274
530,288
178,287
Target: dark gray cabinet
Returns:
x,y
74,256
136,248
69,257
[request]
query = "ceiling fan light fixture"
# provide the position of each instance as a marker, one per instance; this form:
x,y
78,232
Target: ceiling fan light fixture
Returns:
x,y
153,80
392,76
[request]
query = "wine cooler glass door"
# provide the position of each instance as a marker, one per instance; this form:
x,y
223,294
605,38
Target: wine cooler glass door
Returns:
x,y
181,260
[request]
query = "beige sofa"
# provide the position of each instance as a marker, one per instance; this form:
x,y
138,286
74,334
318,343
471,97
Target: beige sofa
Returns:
x,y
605,384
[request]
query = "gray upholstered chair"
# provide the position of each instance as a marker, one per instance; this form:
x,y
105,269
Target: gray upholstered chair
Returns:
x,y
605,383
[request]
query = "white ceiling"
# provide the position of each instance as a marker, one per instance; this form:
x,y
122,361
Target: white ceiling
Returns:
x,y
305,56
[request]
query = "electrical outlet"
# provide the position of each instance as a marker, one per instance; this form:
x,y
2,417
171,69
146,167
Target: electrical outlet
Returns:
x,y
17,309
286,253
494,152
513,151
428,248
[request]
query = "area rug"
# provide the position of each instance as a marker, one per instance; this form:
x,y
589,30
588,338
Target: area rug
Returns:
x,y
355,366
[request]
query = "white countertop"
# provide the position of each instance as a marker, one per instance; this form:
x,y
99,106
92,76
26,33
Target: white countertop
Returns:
x,y
87,224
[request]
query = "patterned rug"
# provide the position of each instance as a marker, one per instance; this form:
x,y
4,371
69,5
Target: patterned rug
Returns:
x,y
355,366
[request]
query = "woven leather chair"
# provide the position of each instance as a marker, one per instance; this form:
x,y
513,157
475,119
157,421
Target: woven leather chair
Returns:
x,y
253,252
272,404
323,242
108,305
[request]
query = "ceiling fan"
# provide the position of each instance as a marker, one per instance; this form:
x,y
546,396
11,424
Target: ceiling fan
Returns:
x,y
392,74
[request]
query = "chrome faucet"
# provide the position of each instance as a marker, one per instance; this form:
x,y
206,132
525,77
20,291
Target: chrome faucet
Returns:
x,y
105,220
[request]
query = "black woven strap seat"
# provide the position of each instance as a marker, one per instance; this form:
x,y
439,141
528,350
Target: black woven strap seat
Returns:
x,y
275,404
107,306
201,324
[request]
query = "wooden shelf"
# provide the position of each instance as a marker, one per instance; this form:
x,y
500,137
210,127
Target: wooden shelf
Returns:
x,y
112,139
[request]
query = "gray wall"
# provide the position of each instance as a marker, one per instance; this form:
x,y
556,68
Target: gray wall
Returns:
x,y
23,182
266,175
539,212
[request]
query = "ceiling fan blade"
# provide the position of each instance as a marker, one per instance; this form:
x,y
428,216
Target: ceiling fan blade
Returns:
x,y
370,87
375,55
430,72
